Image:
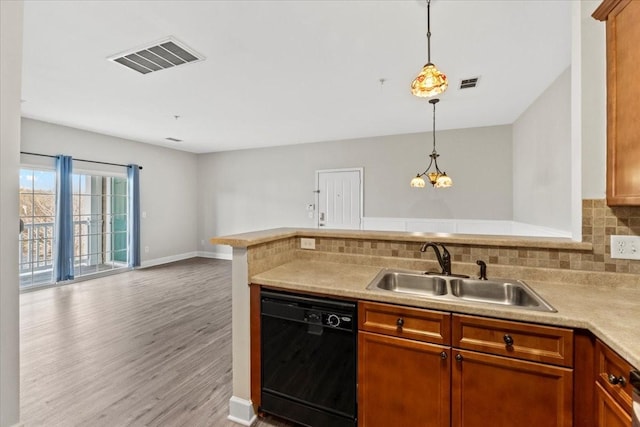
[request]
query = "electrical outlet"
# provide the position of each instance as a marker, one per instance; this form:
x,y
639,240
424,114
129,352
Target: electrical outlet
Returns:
x,y
307,243
625,247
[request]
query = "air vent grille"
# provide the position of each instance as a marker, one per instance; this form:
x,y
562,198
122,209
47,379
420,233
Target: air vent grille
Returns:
x,y
173,139
469,83
167,53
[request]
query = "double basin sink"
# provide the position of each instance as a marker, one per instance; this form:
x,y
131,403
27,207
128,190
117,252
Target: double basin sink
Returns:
x,y
511,293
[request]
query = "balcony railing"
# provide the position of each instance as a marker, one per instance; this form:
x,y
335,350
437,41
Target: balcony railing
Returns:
x,y
36,251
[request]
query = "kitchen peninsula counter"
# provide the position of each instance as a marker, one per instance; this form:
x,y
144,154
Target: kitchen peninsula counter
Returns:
x,y
572,276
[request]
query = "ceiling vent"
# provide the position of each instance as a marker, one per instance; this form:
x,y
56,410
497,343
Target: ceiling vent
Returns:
x,y
469,83
173,139
167,53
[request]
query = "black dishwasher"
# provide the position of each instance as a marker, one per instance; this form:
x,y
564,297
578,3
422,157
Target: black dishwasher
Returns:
x,y
308,356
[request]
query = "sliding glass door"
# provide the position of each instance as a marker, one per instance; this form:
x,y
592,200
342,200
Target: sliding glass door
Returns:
x,y
100,223
100,231
118,212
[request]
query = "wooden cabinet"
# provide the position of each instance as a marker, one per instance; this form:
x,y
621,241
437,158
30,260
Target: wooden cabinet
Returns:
x,y
498,379
405,322
501,392
514,339
613,391
402,382
496,372
623,100
403,377
608,412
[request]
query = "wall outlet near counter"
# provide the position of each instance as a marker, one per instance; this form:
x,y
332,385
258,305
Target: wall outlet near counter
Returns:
x,y
625,247
306,243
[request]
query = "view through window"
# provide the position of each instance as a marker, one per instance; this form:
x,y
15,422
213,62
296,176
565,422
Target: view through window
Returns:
x,y
99,225
37,214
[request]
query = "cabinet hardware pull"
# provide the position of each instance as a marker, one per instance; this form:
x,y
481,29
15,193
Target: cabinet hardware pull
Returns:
x,y
508,340
400,322
459,357
443,355
617,380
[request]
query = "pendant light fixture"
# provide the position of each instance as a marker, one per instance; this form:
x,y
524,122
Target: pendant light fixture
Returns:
x,y
430,81
437,178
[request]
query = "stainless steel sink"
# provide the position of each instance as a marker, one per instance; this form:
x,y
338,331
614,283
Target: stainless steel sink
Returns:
x,y
511,293
411,283
505,292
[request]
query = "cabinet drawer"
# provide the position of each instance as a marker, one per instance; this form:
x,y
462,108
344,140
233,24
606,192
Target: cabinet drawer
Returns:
x,y
612,374
405,322
514,339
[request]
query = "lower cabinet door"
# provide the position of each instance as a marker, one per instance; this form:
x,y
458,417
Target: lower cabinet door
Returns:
x,y
501,392
609,412
402,382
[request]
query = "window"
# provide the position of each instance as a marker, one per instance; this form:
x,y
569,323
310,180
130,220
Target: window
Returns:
x,y
100,233
37,213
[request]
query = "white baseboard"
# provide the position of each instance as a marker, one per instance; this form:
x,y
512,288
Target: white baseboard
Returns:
x,y
216,255
168,259
241,411
186,255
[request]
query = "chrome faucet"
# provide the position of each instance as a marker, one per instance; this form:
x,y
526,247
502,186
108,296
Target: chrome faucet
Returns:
x,y
444,259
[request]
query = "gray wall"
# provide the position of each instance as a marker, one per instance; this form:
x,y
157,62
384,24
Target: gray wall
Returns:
x,y
263,188
592,102
168,188
542,158
10,83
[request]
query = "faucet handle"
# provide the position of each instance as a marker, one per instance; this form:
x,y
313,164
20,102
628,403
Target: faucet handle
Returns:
x,y
483,269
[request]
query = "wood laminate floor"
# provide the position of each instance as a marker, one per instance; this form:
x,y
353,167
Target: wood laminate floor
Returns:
x,y
150,347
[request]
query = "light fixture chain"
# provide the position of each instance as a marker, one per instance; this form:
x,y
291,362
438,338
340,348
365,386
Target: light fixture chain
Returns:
x,y
434,127
428,31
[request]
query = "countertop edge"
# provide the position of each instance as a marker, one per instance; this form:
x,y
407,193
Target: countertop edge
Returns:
x,y
245,240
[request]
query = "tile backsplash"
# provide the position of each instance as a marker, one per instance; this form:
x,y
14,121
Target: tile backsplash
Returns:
x,y
599,222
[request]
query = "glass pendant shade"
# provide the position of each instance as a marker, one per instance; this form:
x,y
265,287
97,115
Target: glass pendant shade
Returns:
x,y
443,181
417,182
429,82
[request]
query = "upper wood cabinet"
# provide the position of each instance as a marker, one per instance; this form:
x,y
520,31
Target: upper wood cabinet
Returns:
x,y
623,100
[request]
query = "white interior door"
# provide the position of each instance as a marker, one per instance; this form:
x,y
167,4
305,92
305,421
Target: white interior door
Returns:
x,y
340,198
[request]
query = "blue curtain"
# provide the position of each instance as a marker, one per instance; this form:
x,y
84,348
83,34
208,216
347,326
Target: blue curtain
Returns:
x,y
133,181
63,239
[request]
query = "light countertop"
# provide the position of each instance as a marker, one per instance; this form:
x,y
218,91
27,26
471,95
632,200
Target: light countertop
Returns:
x,y
611,314
245,240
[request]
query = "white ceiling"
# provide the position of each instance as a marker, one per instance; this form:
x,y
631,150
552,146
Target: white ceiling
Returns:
x,y
287,72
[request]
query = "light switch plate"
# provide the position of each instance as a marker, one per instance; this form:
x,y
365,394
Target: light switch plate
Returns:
x,y
306,243
625,247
